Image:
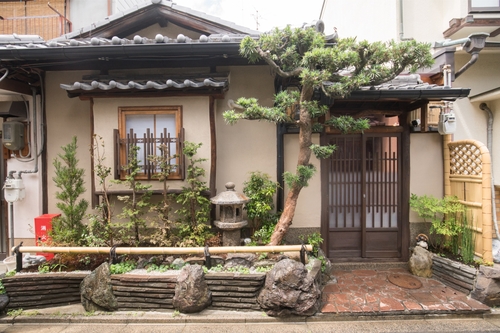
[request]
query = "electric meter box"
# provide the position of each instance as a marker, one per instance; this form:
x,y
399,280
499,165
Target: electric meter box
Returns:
x,y
447,123
13,135
13,189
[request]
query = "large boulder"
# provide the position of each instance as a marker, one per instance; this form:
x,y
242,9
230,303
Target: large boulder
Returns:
x,y
291,289
420,263
97,292
191,291
487,288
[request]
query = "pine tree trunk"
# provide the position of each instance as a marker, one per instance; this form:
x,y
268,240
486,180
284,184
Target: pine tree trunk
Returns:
x,y
305,141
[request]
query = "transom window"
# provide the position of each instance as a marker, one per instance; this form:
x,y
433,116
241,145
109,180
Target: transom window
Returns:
x,y
156,131
478,6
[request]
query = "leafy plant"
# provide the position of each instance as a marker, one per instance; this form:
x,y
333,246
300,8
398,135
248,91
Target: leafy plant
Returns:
x,y
100,228
195,206
122,267
467,241
260,189
162,225
15,312
158,268
263,269
444,215
136,204
10,273
46,267
2,288
68,228
313,239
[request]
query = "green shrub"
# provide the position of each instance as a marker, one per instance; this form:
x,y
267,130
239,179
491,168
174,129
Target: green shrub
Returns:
x,y
445,216
68,228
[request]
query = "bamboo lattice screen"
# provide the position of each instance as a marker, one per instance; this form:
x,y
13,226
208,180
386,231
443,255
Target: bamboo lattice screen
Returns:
x,y
470,180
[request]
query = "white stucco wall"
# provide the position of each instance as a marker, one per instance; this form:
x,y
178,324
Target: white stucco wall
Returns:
x,y
66,117
308,210
426,170
248,145
82,13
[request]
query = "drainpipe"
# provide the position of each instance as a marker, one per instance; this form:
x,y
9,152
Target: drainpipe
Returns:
x,y
489,144
401,23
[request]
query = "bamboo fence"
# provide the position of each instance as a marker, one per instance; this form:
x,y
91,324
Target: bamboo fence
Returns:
x,y
468,177
163,250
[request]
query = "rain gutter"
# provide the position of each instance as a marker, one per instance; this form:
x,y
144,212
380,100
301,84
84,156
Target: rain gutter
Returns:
x,y
117,51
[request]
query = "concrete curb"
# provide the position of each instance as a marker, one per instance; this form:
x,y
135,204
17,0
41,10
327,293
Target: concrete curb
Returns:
x,y
74,314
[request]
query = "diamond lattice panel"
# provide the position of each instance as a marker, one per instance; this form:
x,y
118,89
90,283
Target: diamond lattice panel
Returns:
x,y
465,159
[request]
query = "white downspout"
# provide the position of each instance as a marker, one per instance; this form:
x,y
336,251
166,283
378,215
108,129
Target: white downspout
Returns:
x,y
489,144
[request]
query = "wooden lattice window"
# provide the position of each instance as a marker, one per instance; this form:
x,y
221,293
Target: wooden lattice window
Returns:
x,y
149,128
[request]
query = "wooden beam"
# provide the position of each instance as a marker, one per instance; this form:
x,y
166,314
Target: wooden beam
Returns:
x,y
15,86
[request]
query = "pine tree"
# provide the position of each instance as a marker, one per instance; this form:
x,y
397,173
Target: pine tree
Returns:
x,y
337,70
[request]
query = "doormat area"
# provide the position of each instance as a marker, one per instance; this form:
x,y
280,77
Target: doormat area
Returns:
x,y
404,281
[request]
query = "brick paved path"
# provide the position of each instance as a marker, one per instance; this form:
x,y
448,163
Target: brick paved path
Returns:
x,y
369,291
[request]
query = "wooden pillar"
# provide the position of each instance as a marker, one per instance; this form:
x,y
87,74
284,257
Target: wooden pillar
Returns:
x,y
446,164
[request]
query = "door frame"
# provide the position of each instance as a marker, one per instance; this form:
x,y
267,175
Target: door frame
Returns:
x,y
405,192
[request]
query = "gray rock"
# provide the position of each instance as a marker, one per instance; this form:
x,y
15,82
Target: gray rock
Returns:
x,y
236,262
291,289
97,292
4,301
246,256
420,263
191,291
487,288
178,263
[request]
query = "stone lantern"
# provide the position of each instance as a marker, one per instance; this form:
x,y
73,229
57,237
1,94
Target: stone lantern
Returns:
x,y
230,205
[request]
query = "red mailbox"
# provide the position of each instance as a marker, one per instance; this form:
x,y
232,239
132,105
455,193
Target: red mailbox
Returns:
x,y
43,224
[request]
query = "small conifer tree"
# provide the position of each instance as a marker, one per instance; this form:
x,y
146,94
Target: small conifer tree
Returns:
x,y
68,228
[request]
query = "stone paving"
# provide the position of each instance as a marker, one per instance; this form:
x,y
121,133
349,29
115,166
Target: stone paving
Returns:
x,y
369,291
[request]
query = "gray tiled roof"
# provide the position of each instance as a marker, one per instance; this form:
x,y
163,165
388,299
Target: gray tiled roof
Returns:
x,y
158,84
162,3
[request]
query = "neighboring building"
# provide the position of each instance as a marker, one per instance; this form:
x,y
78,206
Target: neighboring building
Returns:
x,y
176,68
447,26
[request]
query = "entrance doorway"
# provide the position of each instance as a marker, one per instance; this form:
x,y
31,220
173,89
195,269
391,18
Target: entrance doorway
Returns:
x,y
364,197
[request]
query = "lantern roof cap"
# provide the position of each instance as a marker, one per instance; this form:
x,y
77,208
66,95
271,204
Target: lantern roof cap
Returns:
x,y
229,197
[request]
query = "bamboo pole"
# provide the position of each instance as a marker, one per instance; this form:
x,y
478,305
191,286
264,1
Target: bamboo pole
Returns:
x,y
163,250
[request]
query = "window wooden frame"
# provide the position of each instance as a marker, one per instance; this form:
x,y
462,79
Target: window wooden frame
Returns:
x,y
476,9
123,140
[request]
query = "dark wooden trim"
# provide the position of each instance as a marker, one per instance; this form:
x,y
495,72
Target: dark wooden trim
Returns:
x,y
92,163
213,147
116,154
15,86
324,172
213,155
460,23
405,187
45,195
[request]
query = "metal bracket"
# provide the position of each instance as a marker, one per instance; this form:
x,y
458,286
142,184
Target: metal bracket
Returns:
x,y
303,254
113,259
208,262
19,257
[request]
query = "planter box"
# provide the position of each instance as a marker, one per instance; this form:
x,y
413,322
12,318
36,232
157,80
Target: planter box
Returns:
x,y
156,292
459,276
31,291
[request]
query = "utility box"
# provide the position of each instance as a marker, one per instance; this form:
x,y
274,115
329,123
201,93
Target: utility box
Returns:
x,y
43,224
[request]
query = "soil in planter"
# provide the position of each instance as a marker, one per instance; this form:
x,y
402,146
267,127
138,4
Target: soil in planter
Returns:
x,y
68,262
455,257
